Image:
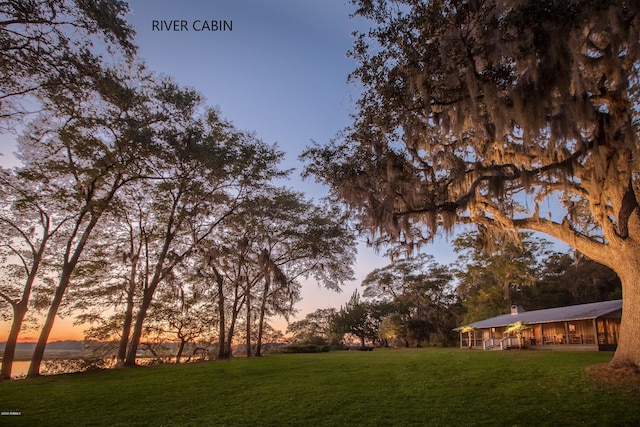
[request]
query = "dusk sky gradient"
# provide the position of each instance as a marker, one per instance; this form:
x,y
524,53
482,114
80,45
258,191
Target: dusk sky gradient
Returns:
x,y
281,72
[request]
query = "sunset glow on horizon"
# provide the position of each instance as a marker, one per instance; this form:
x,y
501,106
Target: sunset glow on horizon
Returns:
x,y
63,330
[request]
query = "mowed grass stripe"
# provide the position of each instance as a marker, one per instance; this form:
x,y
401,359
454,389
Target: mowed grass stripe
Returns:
x,y
384,387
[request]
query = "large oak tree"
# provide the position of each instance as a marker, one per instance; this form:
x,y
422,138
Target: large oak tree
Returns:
x,y
510,114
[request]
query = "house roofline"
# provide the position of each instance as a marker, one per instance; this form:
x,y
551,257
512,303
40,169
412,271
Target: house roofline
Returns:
x,y
551,315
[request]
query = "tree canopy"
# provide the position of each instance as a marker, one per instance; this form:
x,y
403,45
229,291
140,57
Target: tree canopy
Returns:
x,y
421,294
513,115
51,49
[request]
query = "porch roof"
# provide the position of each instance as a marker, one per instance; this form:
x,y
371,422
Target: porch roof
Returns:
x,y
559,314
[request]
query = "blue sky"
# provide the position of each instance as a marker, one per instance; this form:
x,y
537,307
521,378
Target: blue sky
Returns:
x,y
281,72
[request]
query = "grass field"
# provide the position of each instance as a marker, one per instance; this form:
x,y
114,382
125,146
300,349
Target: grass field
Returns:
x,y
410,387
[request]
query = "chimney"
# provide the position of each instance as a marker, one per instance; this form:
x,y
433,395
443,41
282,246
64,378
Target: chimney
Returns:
x,y
516,309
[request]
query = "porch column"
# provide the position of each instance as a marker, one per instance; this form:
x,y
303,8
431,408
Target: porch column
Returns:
x,y
460,338
595,331
566,332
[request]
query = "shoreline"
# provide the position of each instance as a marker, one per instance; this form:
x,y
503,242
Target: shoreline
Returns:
x,y
22,355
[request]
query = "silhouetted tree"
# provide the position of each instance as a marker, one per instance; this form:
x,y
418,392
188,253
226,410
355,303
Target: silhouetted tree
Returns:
x,y
315,328
205,173
48,50
27,227
353,318
421,292
80,159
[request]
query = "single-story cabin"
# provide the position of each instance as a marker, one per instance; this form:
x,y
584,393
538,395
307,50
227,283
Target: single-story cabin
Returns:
x,y
592,327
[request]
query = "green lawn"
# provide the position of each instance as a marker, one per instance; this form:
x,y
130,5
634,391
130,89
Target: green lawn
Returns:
x,y
384,387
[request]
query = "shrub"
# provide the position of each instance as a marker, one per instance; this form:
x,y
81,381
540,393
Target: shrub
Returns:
x,y
305,348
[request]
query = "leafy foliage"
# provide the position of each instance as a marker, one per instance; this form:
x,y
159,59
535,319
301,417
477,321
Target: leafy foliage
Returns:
x,y
355,318
421,294
569,280
315,328
47,49
491,281
473,113
526,274
145,188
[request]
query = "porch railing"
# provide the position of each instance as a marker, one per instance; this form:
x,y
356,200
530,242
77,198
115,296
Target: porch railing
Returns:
x,y
501,343
474,342
488,343
508,342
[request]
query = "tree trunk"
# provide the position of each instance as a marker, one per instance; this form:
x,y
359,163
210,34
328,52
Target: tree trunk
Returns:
x,y
128,314
622,255
628,351
160,271
180,350
520,341
38,353
71,257
130,360
126,327
506,294
248,302
263,309
231,332
222,342
19,311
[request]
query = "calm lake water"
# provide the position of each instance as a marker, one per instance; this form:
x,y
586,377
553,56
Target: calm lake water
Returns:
x,y
23,359
20,368
61,361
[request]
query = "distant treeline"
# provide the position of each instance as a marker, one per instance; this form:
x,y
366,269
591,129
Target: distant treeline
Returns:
x,y
57,345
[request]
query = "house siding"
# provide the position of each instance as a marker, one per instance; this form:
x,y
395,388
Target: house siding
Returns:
x,y
586,327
